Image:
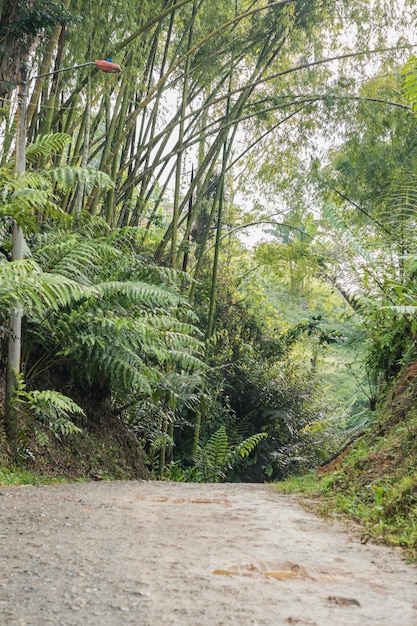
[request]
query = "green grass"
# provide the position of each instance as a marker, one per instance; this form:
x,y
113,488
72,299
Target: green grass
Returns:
x,y
375,485
19,476
306,484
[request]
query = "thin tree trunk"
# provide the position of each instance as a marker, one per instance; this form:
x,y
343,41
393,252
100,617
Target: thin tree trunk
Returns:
x,y
79,195
55,41
178,172
162,452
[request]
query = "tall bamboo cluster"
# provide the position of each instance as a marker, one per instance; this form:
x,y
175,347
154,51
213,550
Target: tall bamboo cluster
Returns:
x,y
194,73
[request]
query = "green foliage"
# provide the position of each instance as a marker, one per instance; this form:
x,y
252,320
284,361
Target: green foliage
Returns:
x,y
409,75
217,457
303,430
38,291
121,333
45,146
260,366
374,480
68,176
35,195
99,314
21,476
307,483
41,15
50,409
314,328
213,458
391,341
385,508
370,203
384,299
249,444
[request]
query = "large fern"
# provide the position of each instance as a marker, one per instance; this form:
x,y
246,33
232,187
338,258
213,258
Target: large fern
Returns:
x,y
51,411
32,196
93,306
409,74
37,291
217,456
124,333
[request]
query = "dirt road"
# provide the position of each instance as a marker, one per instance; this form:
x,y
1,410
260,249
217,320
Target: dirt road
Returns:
x,y
110,554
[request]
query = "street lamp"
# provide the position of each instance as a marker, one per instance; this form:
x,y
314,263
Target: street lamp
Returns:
x,y
16,314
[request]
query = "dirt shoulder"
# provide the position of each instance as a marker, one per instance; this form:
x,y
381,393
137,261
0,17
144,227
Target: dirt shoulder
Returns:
x,y
146,553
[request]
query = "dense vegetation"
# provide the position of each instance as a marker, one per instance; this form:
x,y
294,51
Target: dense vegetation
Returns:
x,y
151,333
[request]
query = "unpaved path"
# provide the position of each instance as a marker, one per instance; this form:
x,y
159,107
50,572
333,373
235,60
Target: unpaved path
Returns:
x,y
116,553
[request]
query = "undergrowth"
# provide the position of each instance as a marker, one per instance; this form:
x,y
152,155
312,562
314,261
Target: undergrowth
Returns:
x,y
102,448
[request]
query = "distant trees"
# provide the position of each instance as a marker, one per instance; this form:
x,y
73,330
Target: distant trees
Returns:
x,y
370,201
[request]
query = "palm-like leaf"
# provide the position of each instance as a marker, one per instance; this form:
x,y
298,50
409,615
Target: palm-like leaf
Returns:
x,y
67,177
47,145
32,193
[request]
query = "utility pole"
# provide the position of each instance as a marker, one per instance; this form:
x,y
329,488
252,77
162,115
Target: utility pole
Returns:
x,y
16,313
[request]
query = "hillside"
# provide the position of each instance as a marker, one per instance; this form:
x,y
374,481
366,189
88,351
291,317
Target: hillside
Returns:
x,y
374,482
104,449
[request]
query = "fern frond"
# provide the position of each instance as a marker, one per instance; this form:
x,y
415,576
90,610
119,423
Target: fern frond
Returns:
x,y
45,145
78,258
138,292
52,409
248,445
68,176
53,399
186,361
409,74
64,291
126,333
217,448
402,309
127,371
29,195
339,224
25,282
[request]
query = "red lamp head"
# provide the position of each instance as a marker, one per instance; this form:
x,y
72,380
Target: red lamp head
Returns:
x,y
108,66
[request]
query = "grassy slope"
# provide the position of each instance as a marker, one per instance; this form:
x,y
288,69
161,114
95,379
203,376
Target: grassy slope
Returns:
x,y
375,481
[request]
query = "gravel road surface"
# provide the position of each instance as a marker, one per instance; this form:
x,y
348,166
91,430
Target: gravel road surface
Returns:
x,y
160,553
